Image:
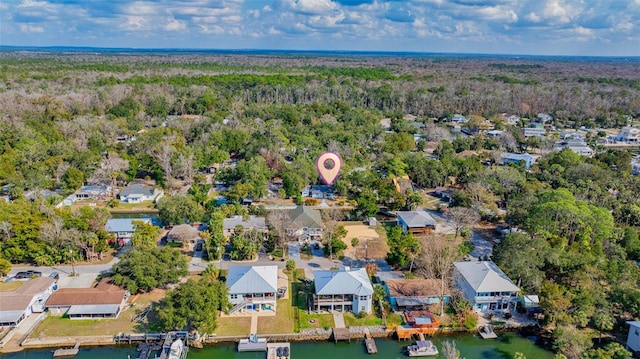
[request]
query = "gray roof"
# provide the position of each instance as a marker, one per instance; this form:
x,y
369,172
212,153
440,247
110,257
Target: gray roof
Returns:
x,y
304,216
256,279
123,224
253,222
343,281
417,219
485,276
516,156
634,324
11,316
93,309
137,189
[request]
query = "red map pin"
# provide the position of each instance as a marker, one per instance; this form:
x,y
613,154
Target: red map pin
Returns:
x,y
329,164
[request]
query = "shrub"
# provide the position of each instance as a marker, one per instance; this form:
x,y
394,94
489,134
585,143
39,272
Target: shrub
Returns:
x,y
311,202
355,242
291,265
362,314
470,320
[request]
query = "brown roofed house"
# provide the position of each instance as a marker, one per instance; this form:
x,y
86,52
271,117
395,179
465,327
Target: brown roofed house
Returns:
x,y
415,293
103,301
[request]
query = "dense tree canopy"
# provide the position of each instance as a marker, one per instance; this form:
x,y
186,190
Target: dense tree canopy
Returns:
x,y
141,270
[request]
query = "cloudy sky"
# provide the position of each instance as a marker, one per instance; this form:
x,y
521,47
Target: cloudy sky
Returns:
x,y
545,27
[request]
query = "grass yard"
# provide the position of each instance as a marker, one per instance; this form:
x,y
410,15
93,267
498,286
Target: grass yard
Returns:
x,y
233,325
10,286
350,320
57,326
315,320
282,322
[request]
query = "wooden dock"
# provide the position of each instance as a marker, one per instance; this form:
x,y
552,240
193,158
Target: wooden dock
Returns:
x,y
278,351
68,352
341,334
369,342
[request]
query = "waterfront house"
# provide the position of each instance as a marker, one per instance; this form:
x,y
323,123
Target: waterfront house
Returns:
x,y
485,286
307,223
409,294
633,338
517,158
122,229
104,301
253,288
29,298
138,192
343,290
93,192
416,221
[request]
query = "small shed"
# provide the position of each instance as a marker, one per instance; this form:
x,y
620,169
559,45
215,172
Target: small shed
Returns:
x,y
372,221
633,339
185,234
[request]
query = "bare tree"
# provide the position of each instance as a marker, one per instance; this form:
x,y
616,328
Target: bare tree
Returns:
x,y
331,219
449,350
461,217
6,229
163,153
111,168
436,261
282,226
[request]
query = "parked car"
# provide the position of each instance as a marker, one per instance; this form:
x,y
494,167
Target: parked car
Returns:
x,y
54,275
199,247
28,274
281,292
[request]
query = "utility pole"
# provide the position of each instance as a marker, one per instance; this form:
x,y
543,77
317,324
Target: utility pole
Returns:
x,y
73,267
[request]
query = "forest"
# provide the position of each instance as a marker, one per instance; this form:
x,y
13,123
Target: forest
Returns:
x,y
73,118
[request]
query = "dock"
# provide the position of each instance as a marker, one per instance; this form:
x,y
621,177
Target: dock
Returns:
x,y
279,351
341,334
369,342
252,344
68,352
486,332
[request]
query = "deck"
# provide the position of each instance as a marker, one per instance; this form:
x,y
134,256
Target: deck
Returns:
x,y
68,352
486,332
341,334
369,342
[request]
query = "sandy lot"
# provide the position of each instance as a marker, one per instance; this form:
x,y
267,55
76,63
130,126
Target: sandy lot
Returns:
x,y
376,247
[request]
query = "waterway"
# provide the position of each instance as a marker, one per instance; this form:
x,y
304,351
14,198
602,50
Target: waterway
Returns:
x,y
470,347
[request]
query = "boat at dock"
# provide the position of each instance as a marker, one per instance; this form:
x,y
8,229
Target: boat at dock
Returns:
x,y
422,348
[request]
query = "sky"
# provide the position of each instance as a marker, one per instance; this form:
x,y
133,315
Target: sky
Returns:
x,y
529,27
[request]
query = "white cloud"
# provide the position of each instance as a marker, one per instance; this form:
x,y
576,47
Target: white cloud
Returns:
x,y
31,28
313,7
175,25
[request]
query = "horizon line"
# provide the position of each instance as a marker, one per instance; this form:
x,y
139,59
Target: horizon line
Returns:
x,y
248,50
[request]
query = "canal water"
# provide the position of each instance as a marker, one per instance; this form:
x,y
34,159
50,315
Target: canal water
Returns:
x,y
470,347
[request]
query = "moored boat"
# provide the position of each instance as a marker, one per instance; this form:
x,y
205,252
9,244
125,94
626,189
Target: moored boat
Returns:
x,y
422,348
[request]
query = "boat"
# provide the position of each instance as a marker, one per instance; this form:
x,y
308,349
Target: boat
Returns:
x,y
177,350
422,348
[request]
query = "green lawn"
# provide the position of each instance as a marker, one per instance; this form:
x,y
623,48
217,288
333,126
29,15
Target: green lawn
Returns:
x,y
10,286
315,320
350,320
282,322
233,325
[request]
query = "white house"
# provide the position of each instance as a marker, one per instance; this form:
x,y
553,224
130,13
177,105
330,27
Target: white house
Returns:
x,y
628,134
512,119
342,290
544,117
252,223
253,288
458,118
577,146
534,130
633,339
137,193
486,286
517,158
29,298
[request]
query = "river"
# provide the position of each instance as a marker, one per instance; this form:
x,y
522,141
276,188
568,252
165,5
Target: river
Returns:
x,y
470,347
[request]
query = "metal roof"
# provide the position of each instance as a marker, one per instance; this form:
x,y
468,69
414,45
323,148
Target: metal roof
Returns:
x,y
256,279
252,223
417,219
11,316
485,276
138,189
123,224
342,282
94,309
